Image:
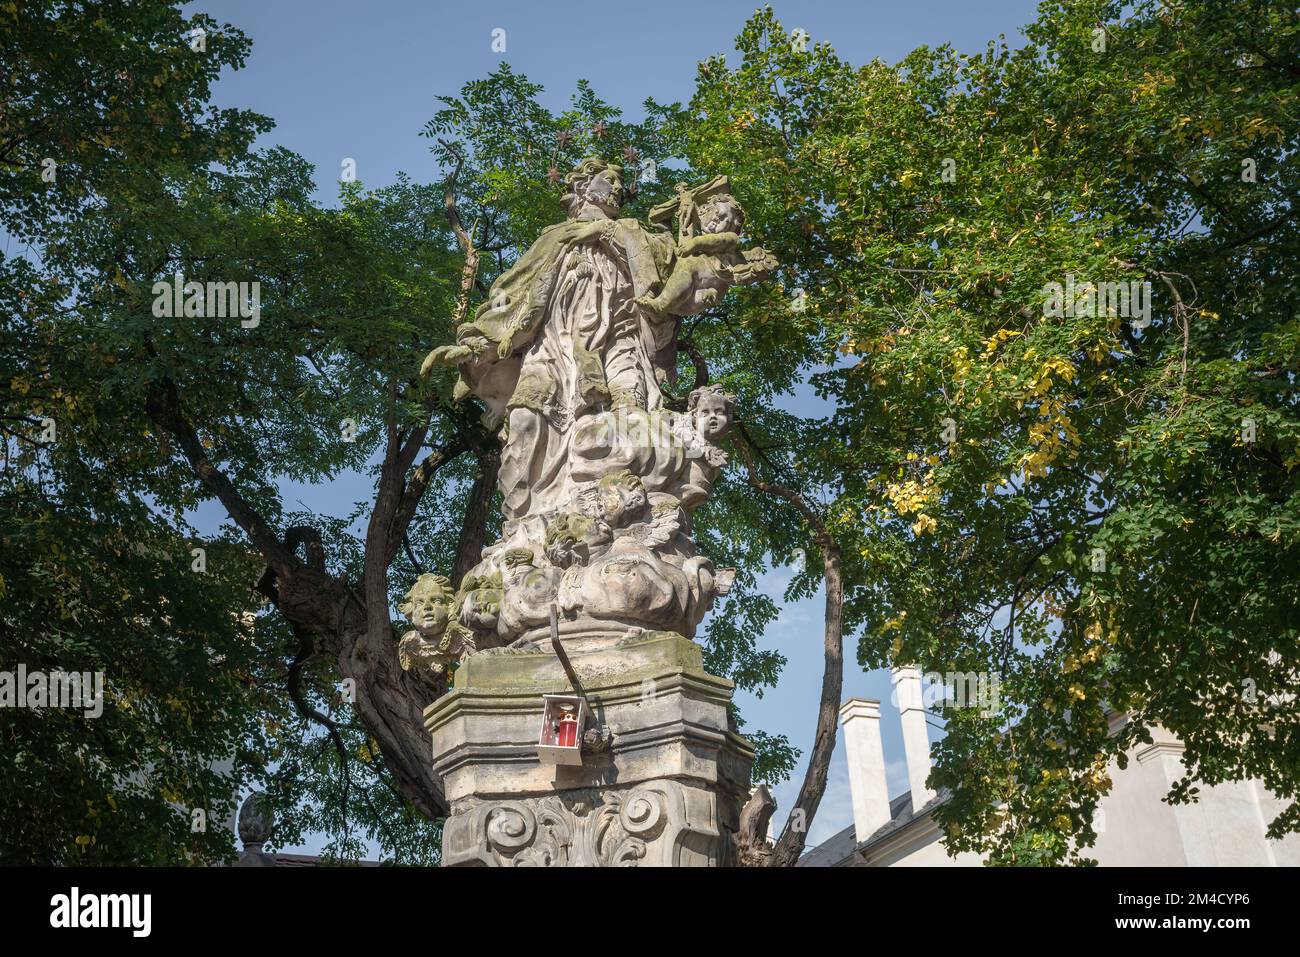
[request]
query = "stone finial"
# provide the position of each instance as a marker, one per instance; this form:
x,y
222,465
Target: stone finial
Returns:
x,y
255,826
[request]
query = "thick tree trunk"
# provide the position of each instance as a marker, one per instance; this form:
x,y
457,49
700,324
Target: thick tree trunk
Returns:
x,y
388,701
356,630
752,848
391,701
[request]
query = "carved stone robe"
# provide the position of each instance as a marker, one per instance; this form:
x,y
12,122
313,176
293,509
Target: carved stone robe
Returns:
x,y
574,341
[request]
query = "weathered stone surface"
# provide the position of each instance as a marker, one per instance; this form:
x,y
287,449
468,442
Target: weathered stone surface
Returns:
x,y
663,824
571,356
670,744
255,826
439,636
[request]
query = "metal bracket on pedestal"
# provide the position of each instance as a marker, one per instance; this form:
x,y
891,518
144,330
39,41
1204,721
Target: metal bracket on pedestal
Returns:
x,y
603,737
564,656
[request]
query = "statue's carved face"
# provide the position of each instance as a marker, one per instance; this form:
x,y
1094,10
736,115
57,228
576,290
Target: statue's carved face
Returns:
x,y
711,417
634,498
722,215
428,604
622,497
605,191
480,608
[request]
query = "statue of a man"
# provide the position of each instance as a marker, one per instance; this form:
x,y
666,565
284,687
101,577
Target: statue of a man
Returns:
x,y
599,479
562,335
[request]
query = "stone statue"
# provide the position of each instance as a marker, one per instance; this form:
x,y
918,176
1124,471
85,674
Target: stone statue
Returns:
x,y
438,637
561,335
569,355
709,257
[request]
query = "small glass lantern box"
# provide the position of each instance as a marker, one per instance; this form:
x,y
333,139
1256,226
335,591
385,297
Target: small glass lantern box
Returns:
x,y
563,717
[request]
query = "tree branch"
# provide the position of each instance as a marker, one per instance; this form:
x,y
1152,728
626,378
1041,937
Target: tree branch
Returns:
x,y
794,836
164,408
466,239
414,490
469,548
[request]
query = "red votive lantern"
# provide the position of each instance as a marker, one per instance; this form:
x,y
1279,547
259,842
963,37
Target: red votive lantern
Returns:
x,y
567,733
560,738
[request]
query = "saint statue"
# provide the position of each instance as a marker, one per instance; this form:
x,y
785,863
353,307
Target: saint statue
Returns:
x,y
569,355
561,335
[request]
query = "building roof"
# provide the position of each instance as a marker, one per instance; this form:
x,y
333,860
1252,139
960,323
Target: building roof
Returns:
x,y
844,845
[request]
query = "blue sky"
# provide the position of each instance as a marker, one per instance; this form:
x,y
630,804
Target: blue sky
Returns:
x,y
344,79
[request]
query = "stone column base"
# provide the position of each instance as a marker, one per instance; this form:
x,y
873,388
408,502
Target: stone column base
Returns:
x,y
664,787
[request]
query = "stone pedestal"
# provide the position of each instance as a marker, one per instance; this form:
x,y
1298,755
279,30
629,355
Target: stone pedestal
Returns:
x,y
662,785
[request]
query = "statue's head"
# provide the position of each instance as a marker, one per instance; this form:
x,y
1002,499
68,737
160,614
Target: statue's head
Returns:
x,y
712,410
594,182
623,497
480,601
721,214
428,603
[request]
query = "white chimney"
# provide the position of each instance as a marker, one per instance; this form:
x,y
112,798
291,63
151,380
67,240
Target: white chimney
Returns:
x,y
916,738
866,756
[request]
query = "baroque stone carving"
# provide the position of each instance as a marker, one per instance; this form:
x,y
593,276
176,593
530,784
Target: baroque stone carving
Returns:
x,y
641,826
256,822
570,355
443,622
659,745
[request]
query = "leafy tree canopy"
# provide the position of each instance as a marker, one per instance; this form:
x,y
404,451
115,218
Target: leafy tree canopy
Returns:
x,y
1098,509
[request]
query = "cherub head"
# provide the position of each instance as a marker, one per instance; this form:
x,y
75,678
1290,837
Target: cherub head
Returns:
x,y
480,601
428,604
622,497
712,410
594,182
721,214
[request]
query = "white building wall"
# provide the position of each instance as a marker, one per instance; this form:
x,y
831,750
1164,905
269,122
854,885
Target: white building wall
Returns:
x,y
1224,828
1135,826
927,854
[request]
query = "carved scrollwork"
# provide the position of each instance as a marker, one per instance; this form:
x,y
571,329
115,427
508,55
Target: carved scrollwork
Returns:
x,y
510,827
582,828
642,811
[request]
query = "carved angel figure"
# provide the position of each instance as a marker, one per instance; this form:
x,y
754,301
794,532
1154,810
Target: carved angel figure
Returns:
x,y
710,410
711,262
437,637
671,453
